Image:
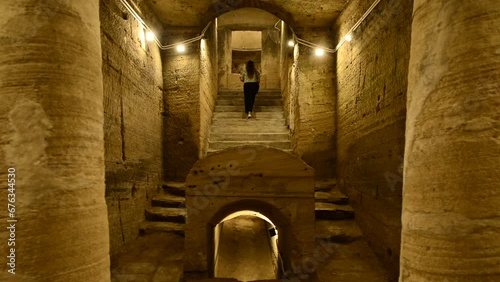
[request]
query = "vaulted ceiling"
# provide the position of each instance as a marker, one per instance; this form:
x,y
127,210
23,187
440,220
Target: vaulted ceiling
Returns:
x,y
298,13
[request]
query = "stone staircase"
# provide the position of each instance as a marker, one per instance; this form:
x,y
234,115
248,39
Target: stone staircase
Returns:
x,y
334,222
334,216
352,260
267,127
167,212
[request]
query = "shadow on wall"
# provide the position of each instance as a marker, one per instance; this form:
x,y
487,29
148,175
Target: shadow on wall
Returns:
x,y
321,155
180,147
129,186
121,178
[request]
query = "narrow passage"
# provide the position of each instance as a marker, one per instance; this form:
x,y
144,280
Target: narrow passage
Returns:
x,y
244,250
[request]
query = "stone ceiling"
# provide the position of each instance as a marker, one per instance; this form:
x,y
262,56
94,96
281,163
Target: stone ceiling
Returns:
x,y
298,13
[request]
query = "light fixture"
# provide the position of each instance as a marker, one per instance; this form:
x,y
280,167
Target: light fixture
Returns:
x,y
150,36
320,52
348,37
181,48
142,37
291,43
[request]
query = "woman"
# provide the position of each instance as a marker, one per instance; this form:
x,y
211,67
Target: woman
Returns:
x,y
251,80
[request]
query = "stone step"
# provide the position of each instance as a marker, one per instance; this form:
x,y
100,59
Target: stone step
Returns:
x,y
211,151
325,185
168,201
190,279
240,95
242,115
248,129
333,196
250,137
264,92
177,215
352,262
240,102
249,122
220,145
149,227
175,188
333,211
338,231
222,109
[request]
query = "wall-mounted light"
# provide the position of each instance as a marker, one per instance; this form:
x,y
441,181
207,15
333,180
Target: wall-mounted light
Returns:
x,y
319,52
150,36
181,48
291,43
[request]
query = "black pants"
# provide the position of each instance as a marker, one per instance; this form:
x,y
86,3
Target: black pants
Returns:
x,y
250,89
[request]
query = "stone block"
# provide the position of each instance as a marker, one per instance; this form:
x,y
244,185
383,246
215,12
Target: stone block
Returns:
x,y
266,180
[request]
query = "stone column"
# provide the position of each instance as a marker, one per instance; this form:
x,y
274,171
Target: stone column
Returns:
x,y
51,133
451,195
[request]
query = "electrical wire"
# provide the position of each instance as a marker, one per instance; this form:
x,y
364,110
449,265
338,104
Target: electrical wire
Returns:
x,y
188,41
356,25
136,15
312,45
296,38
275,25
343,40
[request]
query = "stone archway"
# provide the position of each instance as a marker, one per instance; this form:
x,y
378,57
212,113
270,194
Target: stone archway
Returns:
x,y
267,180
219,8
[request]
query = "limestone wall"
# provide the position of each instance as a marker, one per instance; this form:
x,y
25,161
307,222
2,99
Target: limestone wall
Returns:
x,y
247,39
181,72
286,61
208,84
371,85
314,135
270,58
133,124
224,56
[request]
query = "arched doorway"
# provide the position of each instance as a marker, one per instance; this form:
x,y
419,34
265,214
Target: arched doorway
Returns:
x,y
265,180
246,247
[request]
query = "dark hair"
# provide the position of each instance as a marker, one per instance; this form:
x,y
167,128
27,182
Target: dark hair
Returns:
x,y
250,68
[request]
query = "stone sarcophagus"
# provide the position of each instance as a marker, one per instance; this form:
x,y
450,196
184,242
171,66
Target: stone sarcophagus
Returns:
x,y
257,178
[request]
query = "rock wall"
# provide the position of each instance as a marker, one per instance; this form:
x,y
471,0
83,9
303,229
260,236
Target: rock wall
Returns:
x,y
133,123
208,84
51,143
314,136
270,59
286,62
293,85
224,56
372,79
181,72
